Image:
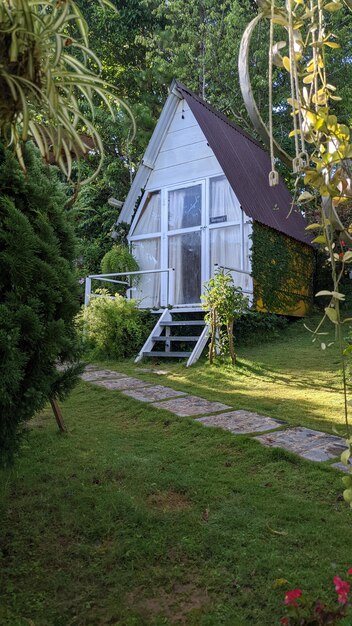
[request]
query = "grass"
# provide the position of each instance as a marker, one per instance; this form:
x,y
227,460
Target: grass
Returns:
x,y
138,518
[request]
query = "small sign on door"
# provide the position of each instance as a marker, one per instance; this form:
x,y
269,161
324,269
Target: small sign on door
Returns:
x,y
218,219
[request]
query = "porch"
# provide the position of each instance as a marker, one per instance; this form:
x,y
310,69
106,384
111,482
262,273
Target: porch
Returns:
x,y
187,329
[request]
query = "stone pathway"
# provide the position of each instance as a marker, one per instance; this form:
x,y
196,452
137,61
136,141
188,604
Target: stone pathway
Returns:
x,y
153,393
307,443
93,375
310,444
120,383
190,405
241,422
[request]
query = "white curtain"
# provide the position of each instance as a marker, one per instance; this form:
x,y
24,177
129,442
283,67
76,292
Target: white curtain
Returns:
x,y
226,250
147,255
176,208
176,262
223,200
149,221
185,257
184,249
185,207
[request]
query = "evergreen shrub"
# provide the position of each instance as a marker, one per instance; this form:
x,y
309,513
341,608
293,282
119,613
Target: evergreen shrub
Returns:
x,y
113,328
38,293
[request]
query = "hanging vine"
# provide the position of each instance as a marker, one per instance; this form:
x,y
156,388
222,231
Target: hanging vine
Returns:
x,y
282,270
326,170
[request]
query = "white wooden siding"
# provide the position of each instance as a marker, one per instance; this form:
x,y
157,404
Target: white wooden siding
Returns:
x,y
184,154
179,138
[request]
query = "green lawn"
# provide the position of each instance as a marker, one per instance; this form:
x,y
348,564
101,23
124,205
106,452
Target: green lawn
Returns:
x,y
105,525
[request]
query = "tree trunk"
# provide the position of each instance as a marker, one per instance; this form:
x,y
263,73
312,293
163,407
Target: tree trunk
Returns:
x,y
58,415
230,336
213,336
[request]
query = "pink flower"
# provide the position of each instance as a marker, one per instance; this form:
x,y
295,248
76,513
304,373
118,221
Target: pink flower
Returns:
x,y
342,588
349,571
292,596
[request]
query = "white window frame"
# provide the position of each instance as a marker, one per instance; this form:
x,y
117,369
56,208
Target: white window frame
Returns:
x,y
205,227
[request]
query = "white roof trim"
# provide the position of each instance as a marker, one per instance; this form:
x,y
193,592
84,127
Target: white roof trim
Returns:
x,y
147,165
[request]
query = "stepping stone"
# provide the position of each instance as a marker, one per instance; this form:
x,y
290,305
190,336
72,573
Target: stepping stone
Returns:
x,y
122,383
151,394
241,422
94,375
151,371
342,467
309,444
190,405
90,367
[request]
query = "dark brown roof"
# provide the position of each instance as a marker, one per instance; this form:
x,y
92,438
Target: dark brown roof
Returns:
x,y
247,166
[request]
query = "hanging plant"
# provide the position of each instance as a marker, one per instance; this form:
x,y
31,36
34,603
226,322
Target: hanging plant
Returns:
x,y
48,77
323,149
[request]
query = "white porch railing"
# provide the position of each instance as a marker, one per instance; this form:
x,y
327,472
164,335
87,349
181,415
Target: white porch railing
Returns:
x,y
217,266
111,278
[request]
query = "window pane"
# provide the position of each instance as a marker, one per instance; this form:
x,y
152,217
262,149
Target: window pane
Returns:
x,y
185,258
185,207
149,220
224,206
225,251
147,287
225,247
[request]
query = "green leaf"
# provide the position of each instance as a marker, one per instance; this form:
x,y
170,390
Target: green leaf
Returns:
x,y
331,44
323,293
313,226
338,296
332,6
345,456
308,79
286,63
320,239
347,495
347,481
305,197
332,314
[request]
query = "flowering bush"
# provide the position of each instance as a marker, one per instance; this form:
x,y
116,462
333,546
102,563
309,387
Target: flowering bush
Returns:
x,y
301,613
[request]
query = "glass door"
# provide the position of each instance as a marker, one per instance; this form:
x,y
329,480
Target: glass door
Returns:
x,y
184,237
229,232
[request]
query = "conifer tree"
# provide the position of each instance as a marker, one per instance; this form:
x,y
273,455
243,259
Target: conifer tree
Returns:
x,y
38,293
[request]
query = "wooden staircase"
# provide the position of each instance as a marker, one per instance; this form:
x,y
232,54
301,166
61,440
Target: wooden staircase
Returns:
x,y
171,331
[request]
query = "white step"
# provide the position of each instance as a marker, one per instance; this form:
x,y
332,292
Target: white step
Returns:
x,y
184,323
174,338
169,355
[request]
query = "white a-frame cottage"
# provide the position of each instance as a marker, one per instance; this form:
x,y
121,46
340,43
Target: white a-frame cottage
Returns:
x,y
200,185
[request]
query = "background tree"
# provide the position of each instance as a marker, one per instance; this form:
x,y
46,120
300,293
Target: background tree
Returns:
x,y
146,44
